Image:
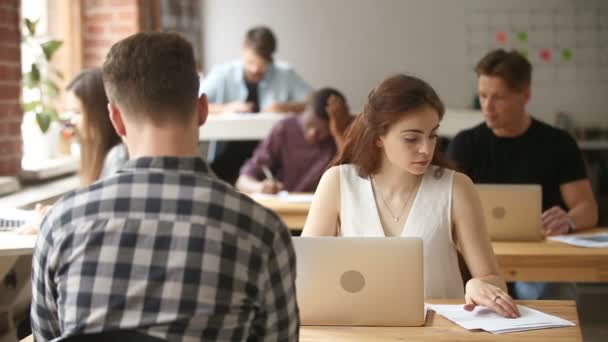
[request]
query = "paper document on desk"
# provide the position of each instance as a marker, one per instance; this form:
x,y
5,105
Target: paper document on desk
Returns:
x,y
485,319
11,218
286,197
596,240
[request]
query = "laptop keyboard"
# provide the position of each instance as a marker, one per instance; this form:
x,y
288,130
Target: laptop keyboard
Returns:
x,y
7,225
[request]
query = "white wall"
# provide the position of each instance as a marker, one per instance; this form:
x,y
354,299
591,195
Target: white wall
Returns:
x,y
353,44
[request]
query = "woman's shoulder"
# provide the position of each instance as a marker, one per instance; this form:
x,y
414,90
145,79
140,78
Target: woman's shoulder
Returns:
x,y
118,153
116,157
332,174
349,172
463,185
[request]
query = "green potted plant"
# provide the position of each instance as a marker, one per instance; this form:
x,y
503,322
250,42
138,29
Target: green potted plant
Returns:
x,y
41,76
41,125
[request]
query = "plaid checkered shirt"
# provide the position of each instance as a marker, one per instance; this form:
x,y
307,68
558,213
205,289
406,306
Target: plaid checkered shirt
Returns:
x,y
166,249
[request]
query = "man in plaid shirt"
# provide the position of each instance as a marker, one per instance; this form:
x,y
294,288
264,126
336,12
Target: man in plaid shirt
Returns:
x,y
162,247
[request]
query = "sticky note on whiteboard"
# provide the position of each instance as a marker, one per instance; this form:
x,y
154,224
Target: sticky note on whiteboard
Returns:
x,y
501,37
544,55
522,36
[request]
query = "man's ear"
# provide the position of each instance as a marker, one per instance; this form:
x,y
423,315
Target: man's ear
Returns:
x,y
202,109
117,119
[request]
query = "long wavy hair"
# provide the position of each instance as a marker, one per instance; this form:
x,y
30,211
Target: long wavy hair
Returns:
x,y
394,98
99,135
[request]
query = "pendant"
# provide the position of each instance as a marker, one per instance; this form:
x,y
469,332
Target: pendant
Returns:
x,y
396,219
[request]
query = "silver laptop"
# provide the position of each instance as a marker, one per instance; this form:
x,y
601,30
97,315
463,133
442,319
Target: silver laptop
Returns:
x,y
512,211
360,281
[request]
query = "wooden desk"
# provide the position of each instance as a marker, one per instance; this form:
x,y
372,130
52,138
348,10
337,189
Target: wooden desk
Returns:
x,y
438,328
12,244
12,247
520,261
15,295
238,126
552,261
246,126
293,214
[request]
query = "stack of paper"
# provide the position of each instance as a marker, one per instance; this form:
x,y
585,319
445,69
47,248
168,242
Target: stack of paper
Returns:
x,y
485,319
285,197
597,240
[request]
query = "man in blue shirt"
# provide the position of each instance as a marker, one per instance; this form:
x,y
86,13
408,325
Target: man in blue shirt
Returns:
x,y
256,83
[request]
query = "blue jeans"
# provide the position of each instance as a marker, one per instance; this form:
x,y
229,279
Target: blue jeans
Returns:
x,y
534,291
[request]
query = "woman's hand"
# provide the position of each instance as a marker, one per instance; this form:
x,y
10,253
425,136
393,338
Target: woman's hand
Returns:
x,y
479,292
33,227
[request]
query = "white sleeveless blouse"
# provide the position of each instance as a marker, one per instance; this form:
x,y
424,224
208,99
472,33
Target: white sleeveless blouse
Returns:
x,y
429,218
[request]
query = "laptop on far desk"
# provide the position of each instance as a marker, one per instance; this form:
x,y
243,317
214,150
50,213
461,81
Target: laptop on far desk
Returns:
x,y
12,218
512,211
360,281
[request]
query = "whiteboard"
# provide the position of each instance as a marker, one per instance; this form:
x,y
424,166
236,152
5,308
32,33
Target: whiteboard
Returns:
x,y
353,44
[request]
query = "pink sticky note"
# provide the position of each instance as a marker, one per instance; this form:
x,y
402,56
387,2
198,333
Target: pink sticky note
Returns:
x,y
544,55
501,37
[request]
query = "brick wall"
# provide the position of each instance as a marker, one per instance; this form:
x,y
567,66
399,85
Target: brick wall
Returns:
x,y
10,88
104,23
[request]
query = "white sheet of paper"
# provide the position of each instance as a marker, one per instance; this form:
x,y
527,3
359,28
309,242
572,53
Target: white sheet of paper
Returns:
x,y
485,319
286,197
595,240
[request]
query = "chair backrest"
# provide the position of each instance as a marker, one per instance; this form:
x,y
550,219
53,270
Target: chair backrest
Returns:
x,y
116,335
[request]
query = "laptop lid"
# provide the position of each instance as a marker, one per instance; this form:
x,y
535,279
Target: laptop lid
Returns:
x,y
360,281
512,211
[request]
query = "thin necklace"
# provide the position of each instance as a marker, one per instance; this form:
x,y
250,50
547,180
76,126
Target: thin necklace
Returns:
x,y
402,211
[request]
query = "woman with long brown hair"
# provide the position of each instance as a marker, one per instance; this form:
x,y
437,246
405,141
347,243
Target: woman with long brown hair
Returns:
x,y
390,180
101,150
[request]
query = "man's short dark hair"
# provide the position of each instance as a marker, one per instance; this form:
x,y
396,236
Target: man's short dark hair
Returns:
x,y
153,74
262,41
319,100
513,68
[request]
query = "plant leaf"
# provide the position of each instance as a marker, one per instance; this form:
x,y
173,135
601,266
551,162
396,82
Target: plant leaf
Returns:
x,y
43,120
31,79
35,71
31,26
31,106
50,88
52,113
27,80
49,48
